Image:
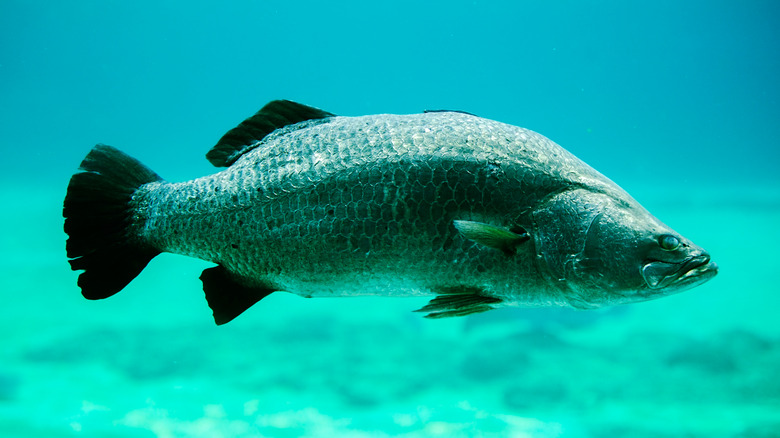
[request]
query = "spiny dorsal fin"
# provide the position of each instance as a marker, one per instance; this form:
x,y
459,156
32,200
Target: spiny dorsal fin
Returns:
x,y
244,137
459,301
493,236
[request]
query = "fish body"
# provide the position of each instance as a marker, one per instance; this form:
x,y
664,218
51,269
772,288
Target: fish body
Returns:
x,y
477,213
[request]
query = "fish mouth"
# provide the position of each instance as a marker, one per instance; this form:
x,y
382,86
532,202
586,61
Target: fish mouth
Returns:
x,y
679,276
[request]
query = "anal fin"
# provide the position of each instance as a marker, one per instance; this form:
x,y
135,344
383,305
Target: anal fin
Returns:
x,y
227,297
459,301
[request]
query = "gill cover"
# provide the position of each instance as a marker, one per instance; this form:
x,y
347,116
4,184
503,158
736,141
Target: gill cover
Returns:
x,y
561,231
584,247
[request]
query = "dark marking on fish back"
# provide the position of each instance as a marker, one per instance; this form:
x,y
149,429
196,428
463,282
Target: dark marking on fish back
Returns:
x,y
448,111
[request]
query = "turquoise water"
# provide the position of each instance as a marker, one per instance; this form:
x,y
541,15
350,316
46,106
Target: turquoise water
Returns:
x,y
678,103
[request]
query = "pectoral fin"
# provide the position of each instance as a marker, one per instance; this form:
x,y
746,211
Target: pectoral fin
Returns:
x,y
459,301
493,236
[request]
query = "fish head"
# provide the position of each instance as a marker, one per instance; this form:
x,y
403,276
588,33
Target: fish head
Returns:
x,y
610,250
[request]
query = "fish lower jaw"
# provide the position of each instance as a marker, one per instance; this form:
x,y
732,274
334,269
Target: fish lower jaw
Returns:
x,y
698,275
688,280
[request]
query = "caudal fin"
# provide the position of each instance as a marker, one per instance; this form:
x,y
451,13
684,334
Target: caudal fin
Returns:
x,y
98,215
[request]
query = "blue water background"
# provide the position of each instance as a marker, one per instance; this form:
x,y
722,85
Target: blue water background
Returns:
x,y
678,102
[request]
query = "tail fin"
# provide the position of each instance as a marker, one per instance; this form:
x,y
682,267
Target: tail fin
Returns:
x,y
97,215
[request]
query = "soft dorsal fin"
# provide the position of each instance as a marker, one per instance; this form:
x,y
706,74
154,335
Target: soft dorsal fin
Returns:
x,y
244,137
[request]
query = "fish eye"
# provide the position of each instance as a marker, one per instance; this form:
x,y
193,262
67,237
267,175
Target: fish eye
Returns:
x,y
668,242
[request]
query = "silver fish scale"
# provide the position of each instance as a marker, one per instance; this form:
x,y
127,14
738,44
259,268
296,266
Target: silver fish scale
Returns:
x,y
365,205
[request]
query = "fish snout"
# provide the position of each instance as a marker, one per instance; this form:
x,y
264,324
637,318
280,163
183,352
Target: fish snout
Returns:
x,y
698,266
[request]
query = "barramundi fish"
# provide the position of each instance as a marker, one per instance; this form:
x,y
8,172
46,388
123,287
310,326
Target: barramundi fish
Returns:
x,y
476,213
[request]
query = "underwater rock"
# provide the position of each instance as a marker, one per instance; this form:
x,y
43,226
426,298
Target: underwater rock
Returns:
x,y
705,357
730,352
535,395
9,384
139,354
